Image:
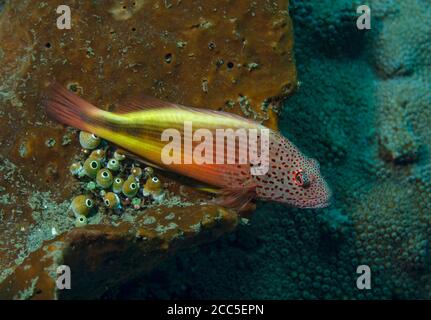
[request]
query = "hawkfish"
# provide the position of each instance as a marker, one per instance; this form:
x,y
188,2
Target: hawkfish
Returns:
x,y
140,127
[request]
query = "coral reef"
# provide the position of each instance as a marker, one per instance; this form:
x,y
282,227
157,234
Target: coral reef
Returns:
x,y
363,110
222,55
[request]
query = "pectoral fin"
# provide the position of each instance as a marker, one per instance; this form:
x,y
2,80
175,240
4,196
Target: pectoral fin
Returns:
x,y
236,197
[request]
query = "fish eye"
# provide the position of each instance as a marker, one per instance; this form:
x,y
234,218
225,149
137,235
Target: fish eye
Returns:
x,y
94,164
133,186
302,179
94,136
155,179
107,202
105,174
118,180
298,178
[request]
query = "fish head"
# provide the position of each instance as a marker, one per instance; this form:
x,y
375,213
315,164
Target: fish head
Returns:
x,y
305,185
294,179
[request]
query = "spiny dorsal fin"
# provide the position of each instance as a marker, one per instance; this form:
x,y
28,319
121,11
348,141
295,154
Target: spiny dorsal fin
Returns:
x,y
145,102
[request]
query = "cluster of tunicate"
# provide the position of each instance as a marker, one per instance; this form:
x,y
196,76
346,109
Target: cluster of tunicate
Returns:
x,y
111,180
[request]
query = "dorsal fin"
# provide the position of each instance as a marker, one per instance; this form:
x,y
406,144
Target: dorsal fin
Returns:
x,y
145,102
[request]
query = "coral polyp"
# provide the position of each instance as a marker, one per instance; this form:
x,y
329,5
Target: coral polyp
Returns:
x,y
136,172
130,187
81,205
91,167
88,140
148,171
113,164
76,168
153,188
104,178
98,154
118,155
117,186
112,200
81,221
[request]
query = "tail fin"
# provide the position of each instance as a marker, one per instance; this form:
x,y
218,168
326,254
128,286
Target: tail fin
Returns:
x,y
67,108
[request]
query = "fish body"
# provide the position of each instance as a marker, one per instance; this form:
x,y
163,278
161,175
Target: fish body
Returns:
x,y
139,128
140,133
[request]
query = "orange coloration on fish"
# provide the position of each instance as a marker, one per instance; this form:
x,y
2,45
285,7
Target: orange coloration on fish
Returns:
x,y
291,178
